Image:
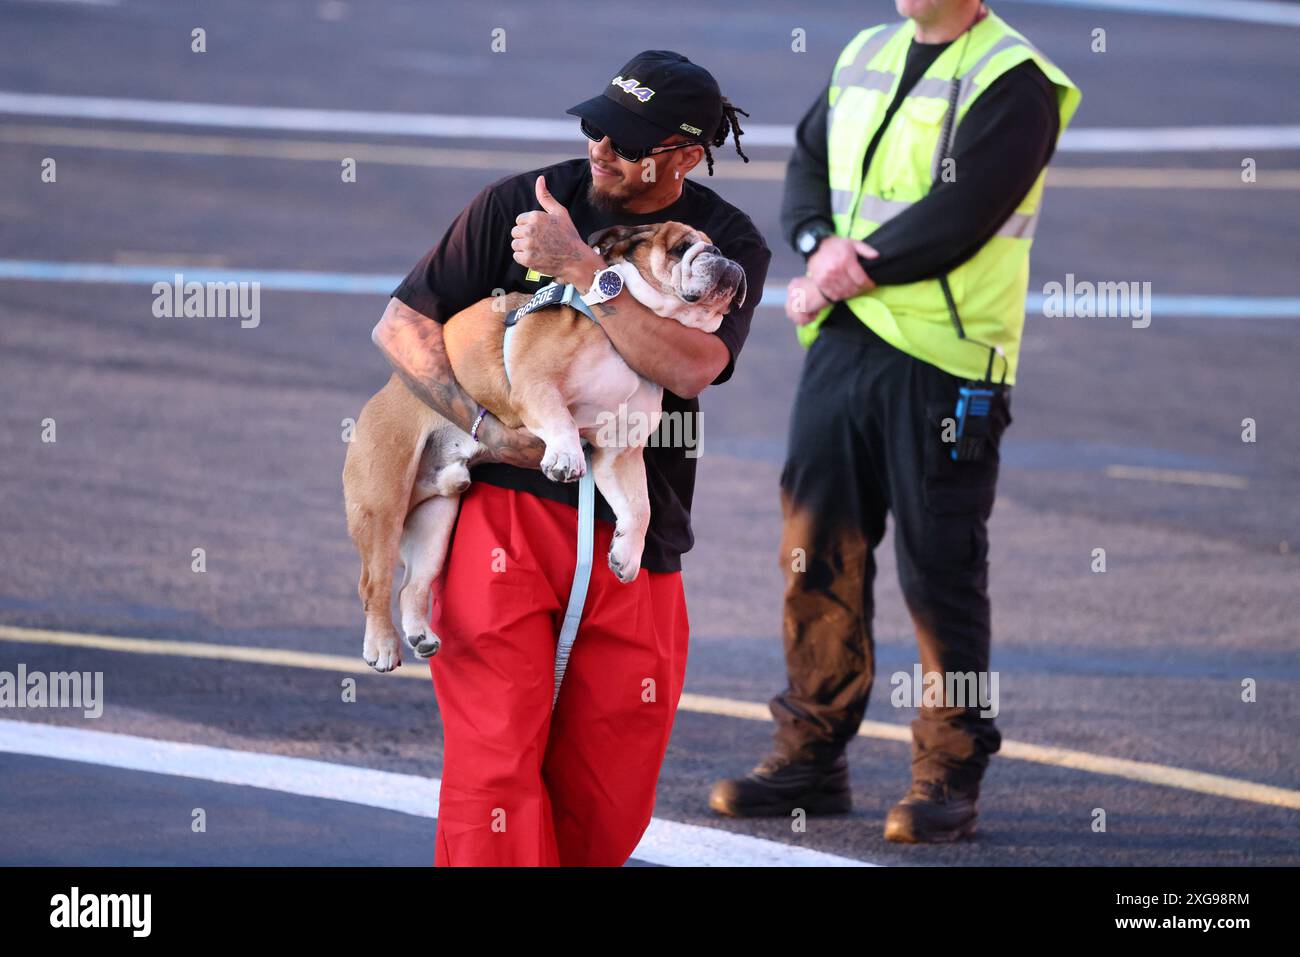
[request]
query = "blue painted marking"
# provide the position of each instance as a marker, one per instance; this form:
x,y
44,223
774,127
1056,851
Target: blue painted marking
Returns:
x,y
287,280
380,284
1214,307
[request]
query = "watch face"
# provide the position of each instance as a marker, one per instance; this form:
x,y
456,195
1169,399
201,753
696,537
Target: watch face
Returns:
x,y
610,284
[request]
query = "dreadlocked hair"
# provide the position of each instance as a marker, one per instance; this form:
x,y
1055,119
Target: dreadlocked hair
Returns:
x,y
729,126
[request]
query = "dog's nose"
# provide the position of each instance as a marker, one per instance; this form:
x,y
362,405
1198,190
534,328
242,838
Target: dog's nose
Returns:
x,y
690,297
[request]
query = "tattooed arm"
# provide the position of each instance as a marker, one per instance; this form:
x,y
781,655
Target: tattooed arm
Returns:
x,y
412,343
682,360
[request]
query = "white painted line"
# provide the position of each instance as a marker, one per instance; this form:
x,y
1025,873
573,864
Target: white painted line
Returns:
x,y
664,842
513,159
1211,307
1242,11
451,126
690,845
438,125
1126,768
406,793
1177,476
1175,139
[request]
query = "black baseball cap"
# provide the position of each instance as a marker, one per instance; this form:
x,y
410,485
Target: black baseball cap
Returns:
x,y
657,93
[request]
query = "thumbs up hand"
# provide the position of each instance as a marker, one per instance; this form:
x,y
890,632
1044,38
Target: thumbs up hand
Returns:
x,y
546,240
548,201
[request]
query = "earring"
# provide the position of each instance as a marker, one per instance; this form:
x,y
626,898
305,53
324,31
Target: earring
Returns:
x,y
677,174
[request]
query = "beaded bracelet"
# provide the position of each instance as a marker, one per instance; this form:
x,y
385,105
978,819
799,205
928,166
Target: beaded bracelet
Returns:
x,y
473,432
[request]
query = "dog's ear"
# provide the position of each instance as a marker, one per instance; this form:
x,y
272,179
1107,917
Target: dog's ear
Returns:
x,y
605,241
742,289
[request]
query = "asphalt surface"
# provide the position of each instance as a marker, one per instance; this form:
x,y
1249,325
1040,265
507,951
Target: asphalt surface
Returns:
x,y
178,434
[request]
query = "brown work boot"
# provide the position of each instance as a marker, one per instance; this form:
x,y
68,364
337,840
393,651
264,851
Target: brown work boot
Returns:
x,y
779,785
931,813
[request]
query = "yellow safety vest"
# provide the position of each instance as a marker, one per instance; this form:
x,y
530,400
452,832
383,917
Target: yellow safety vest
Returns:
x,y
989,288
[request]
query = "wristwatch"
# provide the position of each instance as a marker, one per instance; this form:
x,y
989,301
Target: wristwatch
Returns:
x,y
811,237
607,284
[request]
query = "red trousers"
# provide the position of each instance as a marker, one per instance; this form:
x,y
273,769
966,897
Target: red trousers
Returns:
x,y
520,785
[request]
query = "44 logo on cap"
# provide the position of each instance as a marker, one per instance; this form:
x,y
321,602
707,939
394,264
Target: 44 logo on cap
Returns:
x,y
631,85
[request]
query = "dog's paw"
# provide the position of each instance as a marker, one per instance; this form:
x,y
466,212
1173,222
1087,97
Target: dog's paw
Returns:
x,y
452,480
382,652
624,558
425,643
561,466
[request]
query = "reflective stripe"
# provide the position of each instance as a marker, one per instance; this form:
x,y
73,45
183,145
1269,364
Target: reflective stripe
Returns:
x,y
969,86
849,74
882,81
1020,225
877,210
872,80
857,74
874,209
932,87
841,202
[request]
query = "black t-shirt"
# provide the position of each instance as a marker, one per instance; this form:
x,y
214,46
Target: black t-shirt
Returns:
x,y
474,258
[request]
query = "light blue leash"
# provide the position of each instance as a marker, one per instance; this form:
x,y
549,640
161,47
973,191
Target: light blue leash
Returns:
x,y
581,573
554,294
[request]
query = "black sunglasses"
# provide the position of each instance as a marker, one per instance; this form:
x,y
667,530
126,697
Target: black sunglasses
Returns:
x,y
593,132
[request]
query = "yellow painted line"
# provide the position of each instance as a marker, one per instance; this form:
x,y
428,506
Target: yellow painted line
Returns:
x,y
754,711
311,150
139,257
193,649
1141,771
1142,177
1177,476
1104,177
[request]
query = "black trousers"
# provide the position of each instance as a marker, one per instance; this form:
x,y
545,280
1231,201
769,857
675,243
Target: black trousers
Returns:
x,y
866,439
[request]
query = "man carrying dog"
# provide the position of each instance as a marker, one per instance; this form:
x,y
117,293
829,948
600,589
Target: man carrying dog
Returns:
x,y
913,191
523,785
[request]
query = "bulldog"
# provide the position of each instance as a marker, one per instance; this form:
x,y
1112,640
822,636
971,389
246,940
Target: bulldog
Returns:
x,y
407,467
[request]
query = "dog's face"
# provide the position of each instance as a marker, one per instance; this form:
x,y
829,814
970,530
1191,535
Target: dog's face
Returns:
x,y
683,276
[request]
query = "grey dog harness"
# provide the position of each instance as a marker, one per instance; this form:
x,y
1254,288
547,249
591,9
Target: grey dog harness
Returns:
x,y
550,295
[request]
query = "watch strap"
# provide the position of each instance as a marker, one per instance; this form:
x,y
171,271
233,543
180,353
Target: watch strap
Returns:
x,y
818,230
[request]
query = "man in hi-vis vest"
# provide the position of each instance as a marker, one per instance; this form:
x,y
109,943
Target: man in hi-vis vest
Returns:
x,y
914,192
